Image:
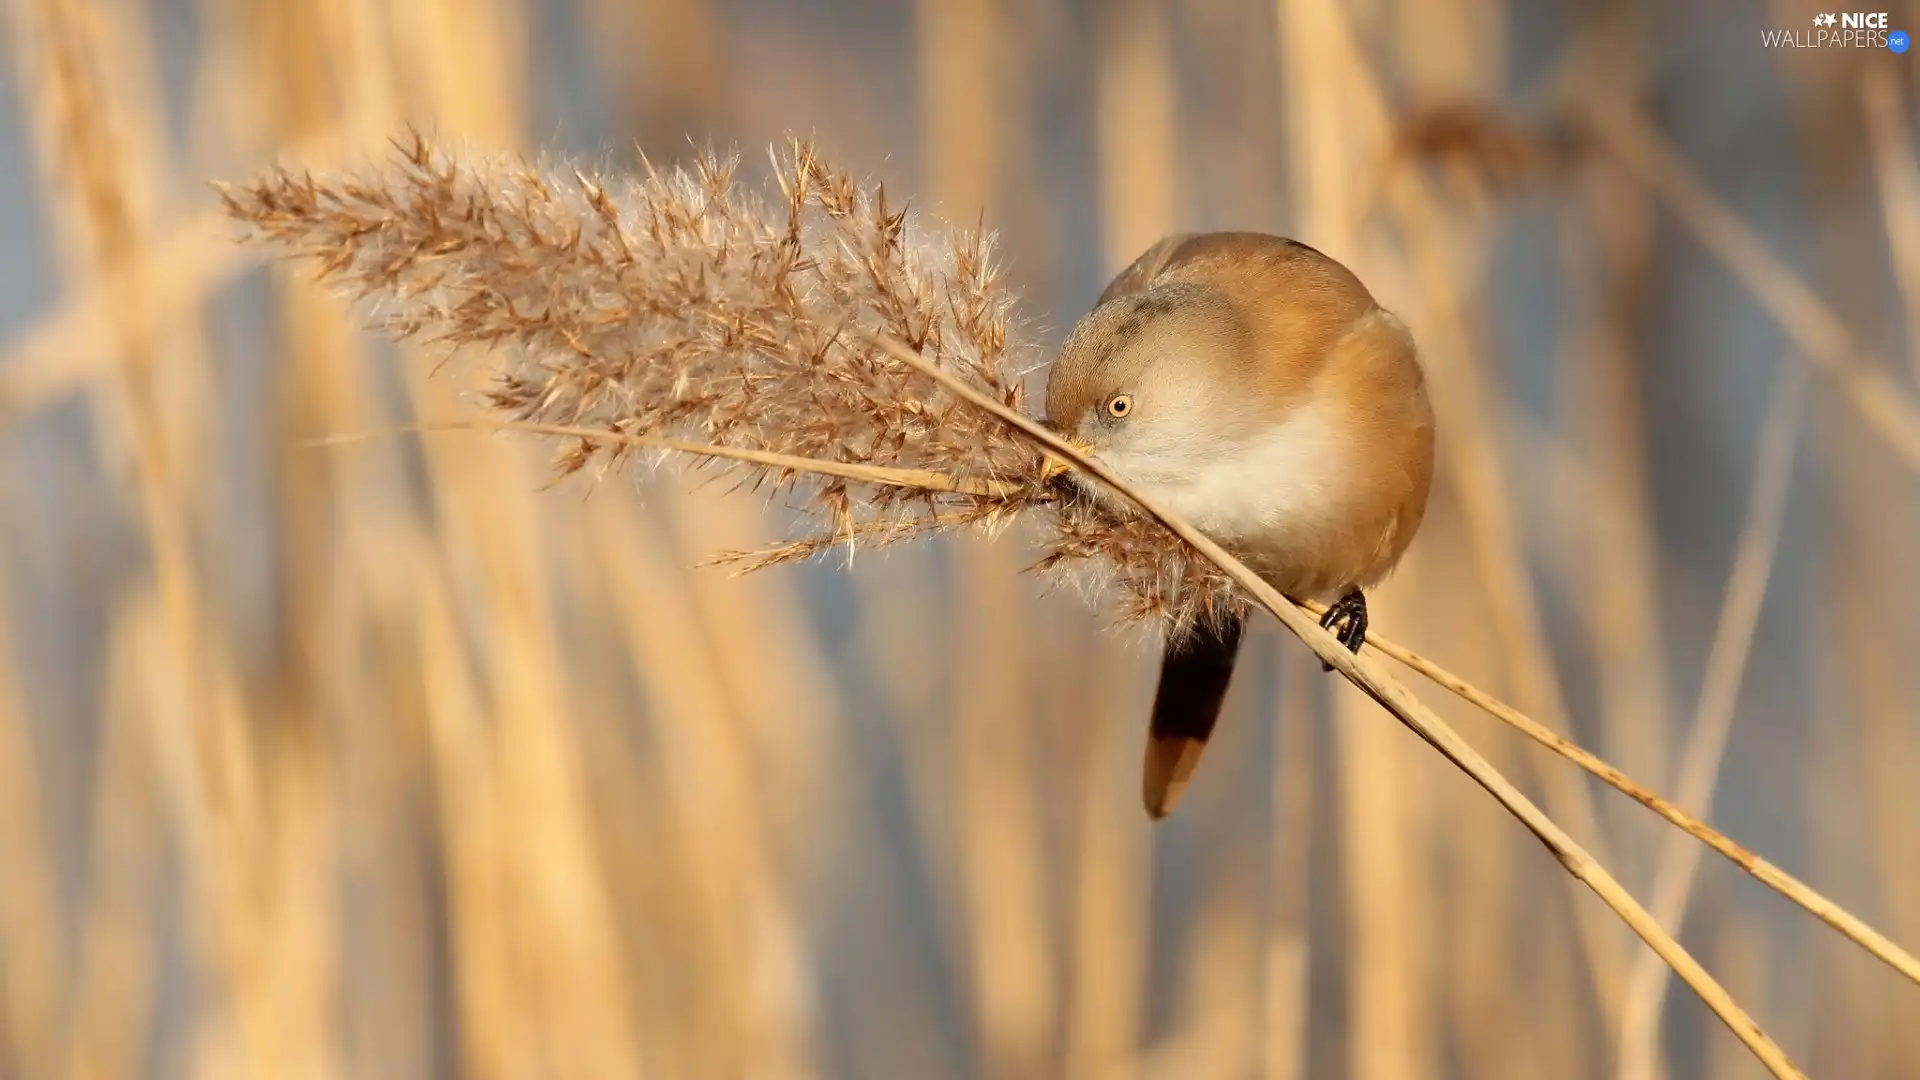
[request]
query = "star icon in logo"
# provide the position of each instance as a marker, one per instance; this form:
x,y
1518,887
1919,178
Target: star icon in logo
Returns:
x,y
1824,19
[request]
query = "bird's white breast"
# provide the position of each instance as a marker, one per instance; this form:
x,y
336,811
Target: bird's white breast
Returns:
x,y
1282,489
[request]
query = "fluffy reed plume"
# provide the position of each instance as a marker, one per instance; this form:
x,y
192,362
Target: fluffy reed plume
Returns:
x,y
677,307
1473,142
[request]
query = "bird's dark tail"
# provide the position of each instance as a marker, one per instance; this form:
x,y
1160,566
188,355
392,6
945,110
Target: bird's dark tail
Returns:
x,y
1193,681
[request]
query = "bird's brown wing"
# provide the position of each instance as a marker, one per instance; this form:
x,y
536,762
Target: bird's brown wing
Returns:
x,y
1144,269
1194,674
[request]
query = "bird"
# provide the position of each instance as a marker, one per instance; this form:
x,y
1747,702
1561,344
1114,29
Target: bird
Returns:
x,y
1252,385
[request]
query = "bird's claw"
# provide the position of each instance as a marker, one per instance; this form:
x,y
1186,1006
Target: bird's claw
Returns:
x,y
1347,620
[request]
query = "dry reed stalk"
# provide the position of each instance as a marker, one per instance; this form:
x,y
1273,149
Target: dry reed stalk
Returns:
x,y
1007,935
68,351
1107,986
1863,787
714,786
110,1013
1822,908
1220,980
1113,976
787,467
1467,427
1004,871
1315,54
102,236
1897,748
1573,474
1860,775
678,82
33,985
1385,854
1448,246
467,809
90,128
472,70
1746,953
895,638
1607,255
681,949
1819,332
1890,137
549,985
1288,949
1388,1033
1746,590
1136,102
71,350
1867,591
1208,1045
541,980
331,546
775,671
567,993
1860,802
1442,256
779,702
1493,904
386,980
248,809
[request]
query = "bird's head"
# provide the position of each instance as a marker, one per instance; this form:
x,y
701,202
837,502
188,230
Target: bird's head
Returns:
x,y
1150,381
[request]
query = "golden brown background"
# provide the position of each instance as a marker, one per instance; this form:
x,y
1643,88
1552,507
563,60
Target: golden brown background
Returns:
x,y
379,760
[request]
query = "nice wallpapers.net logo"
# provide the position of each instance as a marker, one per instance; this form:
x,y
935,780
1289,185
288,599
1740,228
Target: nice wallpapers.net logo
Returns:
x,y
1845,30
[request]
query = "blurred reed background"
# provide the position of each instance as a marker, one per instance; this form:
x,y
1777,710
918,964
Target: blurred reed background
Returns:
x,y
384,761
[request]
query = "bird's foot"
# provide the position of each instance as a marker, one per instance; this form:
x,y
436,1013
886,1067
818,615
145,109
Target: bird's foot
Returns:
x,y
1347,619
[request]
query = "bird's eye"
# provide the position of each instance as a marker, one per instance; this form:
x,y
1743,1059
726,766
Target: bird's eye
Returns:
x,y
1119,405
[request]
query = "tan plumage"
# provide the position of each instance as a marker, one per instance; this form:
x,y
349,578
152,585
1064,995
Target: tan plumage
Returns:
x,y
1252,385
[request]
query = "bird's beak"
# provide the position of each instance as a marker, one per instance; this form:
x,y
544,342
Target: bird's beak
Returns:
x,y
1052,467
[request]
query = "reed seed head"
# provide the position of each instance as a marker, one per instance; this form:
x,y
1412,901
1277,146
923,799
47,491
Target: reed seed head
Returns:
x,y
684,305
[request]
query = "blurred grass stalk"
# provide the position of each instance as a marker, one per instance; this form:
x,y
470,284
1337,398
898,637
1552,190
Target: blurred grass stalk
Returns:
x,y
504,790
